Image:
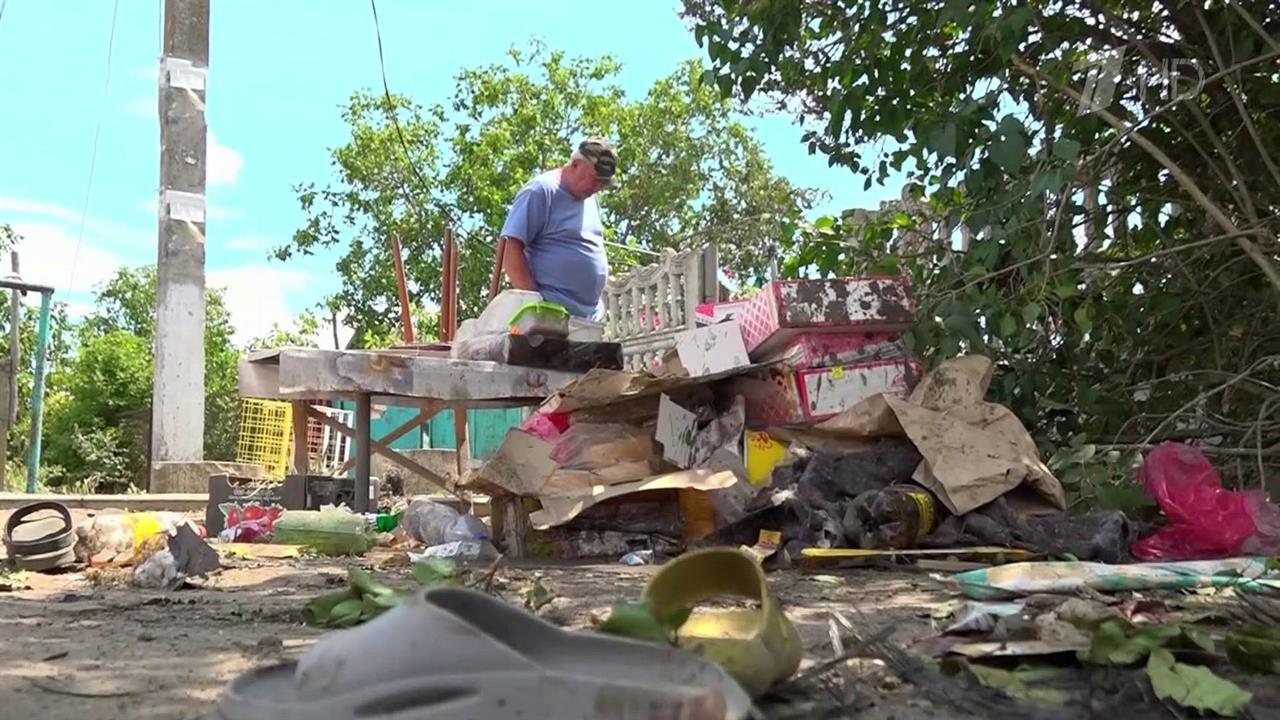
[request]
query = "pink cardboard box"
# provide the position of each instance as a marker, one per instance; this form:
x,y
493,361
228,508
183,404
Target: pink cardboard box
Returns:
x,y
816,394
786,308
817,350
712,313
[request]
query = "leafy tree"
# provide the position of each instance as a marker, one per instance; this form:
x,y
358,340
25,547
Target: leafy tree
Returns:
x,y
1121,259
302,332
101,394
689,174
60,344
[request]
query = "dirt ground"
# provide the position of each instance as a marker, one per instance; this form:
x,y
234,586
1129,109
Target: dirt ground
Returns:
x,y
73,651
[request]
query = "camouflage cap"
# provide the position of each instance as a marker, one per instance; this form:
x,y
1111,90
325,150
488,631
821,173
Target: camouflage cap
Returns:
x,y
601,156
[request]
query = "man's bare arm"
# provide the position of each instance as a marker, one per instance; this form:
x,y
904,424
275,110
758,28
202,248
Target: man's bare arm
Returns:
x,y
516,267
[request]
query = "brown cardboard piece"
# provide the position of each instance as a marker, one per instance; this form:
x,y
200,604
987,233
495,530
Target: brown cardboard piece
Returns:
x,y
558,509
523,466
974,451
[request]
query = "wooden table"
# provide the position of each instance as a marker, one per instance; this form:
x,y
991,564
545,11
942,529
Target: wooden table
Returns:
x,y
430,381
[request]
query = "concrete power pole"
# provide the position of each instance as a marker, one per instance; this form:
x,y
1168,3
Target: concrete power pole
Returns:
x,y
177,410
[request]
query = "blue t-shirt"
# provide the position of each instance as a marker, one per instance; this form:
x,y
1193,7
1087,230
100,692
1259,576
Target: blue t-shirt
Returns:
x,y
563,244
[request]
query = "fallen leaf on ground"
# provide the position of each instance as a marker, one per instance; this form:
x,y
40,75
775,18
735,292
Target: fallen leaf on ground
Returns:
x,y
1021,683
538,596
433,572
1255,648
1112,645
639,621
13,580
1194,687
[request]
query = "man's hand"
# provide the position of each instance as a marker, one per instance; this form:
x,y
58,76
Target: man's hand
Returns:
x,y
516,267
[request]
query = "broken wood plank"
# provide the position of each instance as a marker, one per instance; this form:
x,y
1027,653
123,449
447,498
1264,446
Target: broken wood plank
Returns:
x,y
424,414
311,372
382,449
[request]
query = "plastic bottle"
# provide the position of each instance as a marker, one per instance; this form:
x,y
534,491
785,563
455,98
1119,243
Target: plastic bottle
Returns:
x,y
433,524
895,517
328,532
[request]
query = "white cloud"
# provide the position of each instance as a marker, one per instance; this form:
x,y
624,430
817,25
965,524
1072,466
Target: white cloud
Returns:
x,y
257,296
53,250
223,163
46,254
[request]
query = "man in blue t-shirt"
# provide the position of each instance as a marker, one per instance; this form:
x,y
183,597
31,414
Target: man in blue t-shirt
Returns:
x,y
555,241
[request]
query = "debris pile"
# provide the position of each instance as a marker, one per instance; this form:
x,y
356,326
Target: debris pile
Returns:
x,y
623,462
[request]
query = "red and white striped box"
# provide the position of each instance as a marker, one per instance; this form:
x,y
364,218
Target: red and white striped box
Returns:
x,y
794,397
786,308
818,350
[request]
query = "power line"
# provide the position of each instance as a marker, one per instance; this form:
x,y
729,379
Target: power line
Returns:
x,y
395,120
93,153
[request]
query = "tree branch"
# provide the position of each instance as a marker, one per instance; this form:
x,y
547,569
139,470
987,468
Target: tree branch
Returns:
x,y
1223,221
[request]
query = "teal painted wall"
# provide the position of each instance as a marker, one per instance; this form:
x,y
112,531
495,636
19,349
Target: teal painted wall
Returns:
x,y
392,418
485,428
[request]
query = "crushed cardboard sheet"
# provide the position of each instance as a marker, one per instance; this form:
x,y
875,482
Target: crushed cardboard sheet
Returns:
x,y
599,388
974,451
560,509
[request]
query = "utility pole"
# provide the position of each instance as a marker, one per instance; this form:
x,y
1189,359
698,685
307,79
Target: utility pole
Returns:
x,y
177,407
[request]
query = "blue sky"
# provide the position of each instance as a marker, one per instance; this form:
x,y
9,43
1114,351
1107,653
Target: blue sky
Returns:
x,y
279,70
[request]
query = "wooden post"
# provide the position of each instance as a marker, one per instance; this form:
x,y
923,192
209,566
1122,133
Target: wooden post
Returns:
x,y
301,453
463,454
364,415
402,289
449,294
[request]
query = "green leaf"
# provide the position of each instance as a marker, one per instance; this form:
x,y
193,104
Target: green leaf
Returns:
x,y
1199,638
538,596
1114,643
1008,326
942,141
635,620
1255,648
826,222
725,84
1066,149
1010,150
1194,687
1065,289
363,583
13,580
345,613
1126,497
1021,683
1083,319
1031,312
1021,16
319,612
676,617
433,572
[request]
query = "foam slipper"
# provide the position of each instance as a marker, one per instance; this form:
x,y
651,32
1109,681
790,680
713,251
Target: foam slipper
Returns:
x,y
758,647
453,654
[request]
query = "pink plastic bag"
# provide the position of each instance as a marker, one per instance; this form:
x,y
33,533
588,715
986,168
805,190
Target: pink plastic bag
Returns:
x,y
546,426
1206,521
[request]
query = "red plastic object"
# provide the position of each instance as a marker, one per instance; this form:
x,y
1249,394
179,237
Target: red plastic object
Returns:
x,y
1206,521
546,426
249,523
